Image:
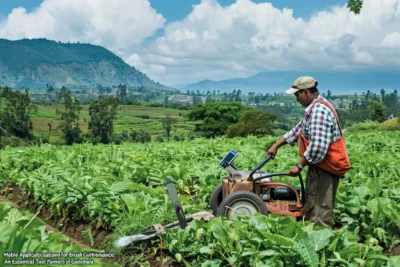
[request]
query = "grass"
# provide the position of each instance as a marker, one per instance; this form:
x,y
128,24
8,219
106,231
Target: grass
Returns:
x,y
127,120
388,125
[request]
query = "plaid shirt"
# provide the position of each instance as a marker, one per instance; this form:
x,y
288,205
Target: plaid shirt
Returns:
x,y
319,126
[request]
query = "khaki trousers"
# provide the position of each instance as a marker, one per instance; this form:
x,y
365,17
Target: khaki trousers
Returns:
x,y
321,187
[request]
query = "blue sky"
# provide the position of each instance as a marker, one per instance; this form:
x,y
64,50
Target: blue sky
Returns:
x,y
302,8
185,41
178,9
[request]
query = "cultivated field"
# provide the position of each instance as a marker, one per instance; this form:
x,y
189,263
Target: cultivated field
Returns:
x,y
99,193
129,118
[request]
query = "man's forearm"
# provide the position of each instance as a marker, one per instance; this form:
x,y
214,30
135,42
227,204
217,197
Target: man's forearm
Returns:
x,y
303,162
280,143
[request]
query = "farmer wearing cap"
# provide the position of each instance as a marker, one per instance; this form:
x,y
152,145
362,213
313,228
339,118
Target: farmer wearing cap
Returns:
x,y
321,147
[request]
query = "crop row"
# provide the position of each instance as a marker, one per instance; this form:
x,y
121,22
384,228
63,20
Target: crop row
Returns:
x,y
120,187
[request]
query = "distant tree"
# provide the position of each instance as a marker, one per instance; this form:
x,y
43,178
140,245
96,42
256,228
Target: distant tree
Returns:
x,y
100,89
50,125
367,94
251,97
209,99
377,109
166,100
143,137
233,96
122,92
167,124
266,97
216,117
49,90
102,115
70,118
238,95
383,93
196,100
16,115
253,122
341,103
329,94
159,139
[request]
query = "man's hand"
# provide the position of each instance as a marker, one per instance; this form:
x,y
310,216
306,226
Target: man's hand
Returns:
x,y
294,171
272,151
274,148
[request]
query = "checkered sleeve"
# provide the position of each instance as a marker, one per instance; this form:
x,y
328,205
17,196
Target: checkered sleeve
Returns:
x,y
292,135
321,131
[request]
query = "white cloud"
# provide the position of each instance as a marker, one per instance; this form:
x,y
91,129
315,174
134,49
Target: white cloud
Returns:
x,y
110,23
216,42
363,57
236,67
392,40
157,68
220,42
135,60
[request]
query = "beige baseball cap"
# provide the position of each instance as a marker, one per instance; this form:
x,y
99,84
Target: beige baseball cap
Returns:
x,y
302,83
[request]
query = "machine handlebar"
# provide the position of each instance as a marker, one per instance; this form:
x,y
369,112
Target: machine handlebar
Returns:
x,y
260,165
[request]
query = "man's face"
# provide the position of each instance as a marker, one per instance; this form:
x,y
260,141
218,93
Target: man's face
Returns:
x,y
301,97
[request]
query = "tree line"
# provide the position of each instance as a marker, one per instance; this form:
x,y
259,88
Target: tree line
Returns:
x,y
215,118
18,108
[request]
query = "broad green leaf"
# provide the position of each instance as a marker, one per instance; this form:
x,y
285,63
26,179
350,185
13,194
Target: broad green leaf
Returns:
x,y
362,192
320,238
211,263
205,250
306,251
268,253
220,234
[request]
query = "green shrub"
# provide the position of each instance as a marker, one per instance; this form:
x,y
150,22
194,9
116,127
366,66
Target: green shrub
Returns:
x,y
159,139
364,126
389,125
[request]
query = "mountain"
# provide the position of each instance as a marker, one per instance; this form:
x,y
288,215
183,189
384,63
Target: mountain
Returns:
x,y
36,62
278,81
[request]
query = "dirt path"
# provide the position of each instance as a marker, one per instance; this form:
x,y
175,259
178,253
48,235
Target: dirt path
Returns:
x,y
48,227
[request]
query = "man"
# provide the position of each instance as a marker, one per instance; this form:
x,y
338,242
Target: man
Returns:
x,y
321,148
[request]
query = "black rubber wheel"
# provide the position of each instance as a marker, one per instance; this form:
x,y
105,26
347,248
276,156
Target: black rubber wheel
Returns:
x,y
216,198
241,203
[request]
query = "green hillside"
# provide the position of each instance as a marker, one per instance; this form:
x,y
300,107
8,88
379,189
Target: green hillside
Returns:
x,y
37,62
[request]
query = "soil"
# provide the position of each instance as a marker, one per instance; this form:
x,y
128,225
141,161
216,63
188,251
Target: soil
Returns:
x,y
12,193
72,230
396,251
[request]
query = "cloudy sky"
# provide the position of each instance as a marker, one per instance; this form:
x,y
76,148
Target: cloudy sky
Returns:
x,y
185,41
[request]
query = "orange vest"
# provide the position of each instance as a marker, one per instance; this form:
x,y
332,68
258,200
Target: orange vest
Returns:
x,y
336,160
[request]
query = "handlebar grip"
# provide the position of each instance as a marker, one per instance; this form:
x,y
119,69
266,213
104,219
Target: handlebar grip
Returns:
x,y
260,165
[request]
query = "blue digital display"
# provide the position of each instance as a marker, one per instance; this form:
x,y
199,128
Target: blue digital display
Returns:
x,y
225,162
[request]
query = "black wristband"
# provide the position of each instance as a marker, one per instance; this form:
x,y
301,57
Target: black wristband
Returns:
x,y
298,165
